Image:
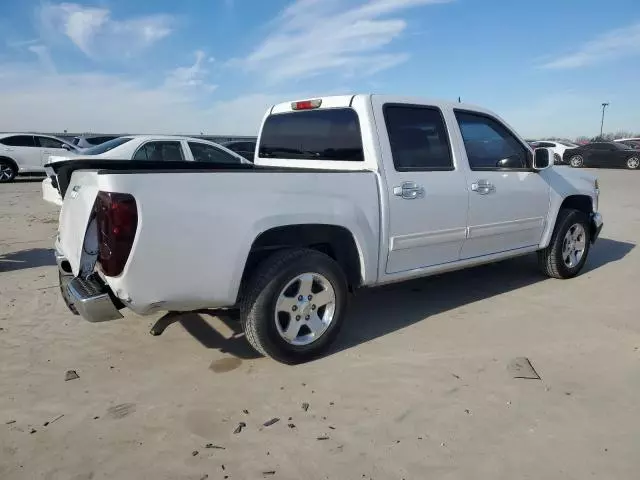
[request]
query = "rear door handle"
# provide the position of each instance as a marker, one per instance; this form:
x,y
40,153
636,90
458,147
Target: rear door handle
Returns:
x,y
409,191
483,187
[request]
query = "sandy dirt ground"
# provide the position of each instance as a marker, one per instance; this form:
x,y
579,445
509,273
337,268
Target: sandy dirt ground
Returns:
x,y
418,386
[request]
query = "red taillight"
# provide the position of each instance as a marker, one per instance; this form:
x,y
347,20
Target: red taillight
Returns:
x,y
306,104
117,219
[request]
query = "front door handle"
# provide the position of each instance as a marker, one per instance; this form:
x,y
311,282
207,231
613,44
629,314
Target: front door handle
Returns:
x,y
409,191
483,187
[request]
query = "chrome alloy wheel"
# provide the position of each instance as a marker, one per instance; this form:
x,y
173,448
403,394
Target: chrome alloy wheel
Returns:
x,y
305,308
576,161
574,245
633,163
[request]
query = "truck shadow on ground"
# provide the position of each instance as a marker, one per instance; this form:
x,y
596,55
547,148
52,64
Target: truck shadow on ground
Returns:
x,y
32,258
381,311
198,327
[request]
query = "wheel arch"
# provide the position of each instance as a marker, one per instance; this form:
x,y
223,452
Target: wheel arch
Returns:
x,y
580,202
335,241
10,160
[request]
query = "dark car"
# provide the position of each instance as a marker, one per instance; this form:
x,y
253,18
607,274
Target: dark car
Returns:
x,y
603,155
242,147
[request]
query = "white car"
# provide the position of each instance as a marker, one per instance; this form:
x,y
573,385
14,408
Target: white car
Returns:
x,y
558,148
22,153
161,148
346,192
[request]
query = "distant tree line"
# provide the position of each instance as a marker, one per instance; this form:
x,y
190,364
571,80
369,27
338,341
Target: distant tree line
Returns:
x,y
607,137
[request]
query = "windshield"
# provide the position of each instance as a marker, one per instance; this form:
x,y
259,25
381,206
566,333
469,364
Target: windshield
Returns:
x,y
106,146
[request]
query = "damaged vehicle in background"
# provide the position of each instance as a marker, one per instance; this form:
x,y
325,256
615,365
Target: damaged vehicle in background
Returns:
x,y
346,192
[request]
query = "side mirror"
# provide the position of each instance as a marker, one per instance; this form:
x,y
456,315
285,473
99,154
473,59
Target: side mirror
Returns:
x,y
542,159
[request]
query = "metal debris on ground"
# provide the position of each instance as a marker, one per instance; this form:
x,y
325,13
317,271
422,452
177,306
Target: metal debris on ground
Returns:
x,y
324,437
9,422
245,411
239,428
194,453
217,447
54,420
291,425
269,473
268,423
70,375
521,367
33,430
305,406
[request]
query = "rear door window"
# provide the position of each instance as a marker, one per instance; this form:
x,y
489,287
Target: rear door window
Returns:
x,y
48,142
331,134
160,152
418,138
203,152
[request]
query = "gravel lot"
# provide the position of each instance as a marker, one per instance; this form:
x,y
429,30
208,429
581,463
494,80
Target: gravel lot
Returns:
x,y
417,388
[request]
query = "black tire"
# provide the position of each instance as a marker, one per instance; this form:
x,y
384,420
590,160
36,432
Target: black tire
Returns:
x,y
8,171
557,159
257,306
633,162
64,280
550,259
576,161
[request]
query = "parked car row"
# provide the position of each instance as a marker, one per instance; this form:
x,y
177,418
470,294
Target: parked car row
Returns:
x,y
157,148
25,153
621,153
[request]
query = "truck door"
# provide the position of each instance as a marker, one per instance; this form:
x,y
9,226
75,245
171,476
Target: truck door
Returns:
x,y
508,201
426,192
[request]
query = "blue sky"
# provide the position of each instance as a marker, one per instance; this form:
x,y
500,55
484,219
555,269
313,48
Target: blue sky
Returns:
x,y
214,66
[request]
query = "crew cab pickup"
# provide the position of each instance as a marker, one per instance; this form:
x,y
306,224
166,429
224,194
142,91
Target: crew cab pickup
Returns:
x,y
345,192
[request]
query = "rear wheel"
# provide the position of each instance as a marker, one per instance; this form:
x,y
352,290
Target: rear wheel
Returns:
x,y
294,305
576,161
567,252
633,163
8,171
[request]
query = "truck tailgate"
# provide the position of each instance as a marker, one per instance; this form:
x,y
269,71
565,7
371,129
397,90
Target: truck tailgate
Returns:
x,y
75,214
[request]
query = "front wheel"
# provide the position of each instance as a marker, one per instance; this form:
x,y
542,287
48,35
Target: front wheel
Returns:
x,y
633,163
567,252
294,305
576,161
7,171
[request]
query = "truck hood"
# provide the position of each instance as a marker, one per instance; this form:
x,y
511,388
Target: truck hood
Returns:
x,y
575,174
567,181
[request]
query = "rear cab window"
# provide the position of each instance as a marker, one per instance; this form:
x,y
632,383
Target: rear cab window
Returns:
x,y
329,134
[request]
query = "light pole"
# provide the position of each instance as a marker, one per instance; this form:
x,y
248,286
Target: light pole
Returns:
x,y
604,105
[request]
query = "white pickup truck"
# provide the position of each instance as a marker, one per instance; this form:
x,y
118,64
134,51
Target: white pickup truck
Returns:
x,y
345,192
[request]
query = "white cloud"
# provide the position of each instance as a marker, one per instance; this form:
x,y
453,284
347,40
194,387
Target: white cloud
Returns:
x,y
193,76
94,32
33,100
311,37
42,52
619,43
